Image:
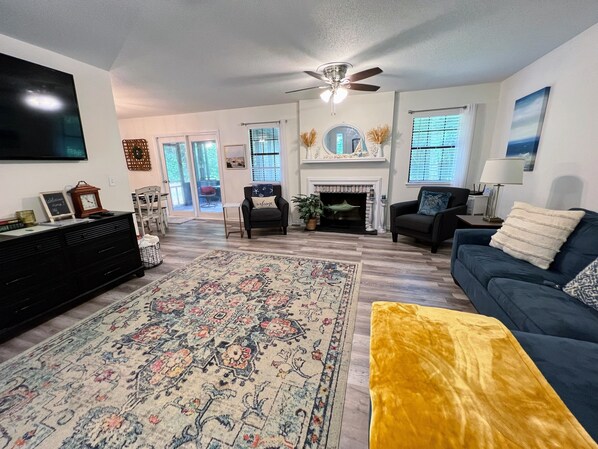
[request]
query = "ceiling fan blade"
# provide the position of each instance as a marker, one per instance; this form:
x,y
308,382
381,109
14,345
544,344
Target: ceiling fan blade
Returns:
x,y
306,88
318,76
364,74
360,86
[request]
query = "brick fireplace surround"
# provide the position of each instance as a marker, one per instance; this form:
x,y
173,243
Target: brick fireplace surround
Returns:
x,y
353,185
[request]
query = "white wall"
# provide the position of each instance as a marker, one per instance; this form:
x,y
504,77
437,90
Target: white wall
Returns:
x,y
228,124
21,181
564,175
484,95
365,112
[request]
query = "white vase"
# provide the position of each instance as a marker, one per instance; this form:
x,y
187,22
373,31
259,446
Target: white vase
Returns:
x,y
375,150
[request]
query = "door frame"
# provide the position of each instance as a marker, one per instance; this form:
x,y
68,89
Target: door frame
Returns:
x,y
185,136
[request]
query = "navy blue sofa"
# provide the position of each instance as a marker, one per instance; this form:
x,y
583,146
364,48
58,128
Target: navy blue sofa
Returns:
x,y
558,332
522,295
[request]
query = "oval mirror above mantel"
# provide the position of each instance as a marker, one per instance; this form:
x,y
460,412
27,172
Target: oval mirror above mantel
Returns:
x,y
344,140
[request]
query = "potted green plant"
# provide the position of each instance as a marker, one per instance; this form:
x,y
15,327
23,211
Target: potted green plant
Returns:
x,y
310,207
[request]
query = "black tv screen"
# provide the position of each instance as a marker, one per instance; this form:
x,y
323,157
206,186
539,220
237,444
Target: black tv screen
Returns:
x,y
39,114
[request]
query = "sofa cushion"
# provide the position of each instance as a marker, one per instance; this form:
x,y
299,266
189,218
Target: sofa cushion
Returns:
x,y
268,214
416,222
584,286
535,234
571,368
545,310
486,263
580,249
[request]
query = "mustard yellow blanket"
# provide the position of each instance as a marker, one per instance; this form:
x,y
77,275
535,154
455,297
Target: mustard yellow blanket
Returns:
x,y
446,379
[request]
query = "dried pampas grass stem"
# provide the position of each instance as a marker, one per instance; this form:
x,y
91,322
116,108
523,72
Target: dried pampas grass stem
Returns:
x,y
309,138
379,134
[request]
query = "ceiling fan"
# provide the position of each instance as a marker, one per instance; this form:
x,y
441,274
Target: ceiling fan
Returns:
x,y
334,74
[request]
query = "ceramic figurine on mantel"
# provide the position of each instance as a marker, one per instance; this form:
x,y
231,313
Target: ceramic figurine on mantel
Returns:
x,y
309,139
378,136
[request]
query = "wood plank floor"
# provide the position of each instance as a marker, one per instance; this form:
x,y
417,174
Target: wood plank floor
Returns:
x,y
402,271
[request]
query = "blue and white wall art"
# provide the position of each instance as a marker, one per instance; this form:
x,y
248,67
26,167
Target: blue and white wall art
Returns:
x,y
528,118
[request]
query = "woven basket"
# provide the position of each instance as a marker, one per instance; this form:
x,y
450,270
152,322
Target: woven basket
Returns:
x,y
151,256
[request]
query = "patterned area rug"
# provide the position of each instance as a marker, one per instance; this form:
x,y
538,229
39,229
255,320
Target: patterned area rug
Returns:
x,y
237,350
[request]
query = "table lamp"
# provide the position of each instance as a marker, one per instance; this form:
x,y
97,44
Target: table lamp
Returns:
x,y
500,172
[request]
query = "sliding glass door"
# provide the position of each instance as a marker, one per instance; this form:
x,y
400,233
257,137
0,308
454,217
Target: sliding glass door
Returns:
x,y
207,173
191,174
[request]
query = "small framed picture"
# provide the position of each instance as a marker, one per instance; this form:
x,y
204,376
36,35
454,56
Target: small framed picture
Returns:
x,y
56,205
235,156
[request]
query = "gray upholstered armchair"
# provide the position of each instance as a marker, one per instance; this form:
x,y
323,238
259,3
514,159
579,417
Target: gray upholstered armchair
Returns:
x,y
265,218
433,229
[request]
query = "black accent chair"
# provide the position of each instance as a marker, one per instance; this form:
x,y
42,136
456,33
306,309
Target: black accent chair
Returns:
x,y
265,218
433,229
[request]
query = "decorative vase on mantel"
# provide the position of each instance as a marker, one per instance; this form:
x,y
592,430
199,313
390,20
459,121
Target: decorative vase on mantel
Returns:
x,y
376,150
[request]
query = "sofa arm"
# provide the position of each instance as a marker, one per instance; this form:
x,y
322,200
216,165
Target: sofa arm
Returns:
x,y
406,207
246,209
445,223
283,205
470,237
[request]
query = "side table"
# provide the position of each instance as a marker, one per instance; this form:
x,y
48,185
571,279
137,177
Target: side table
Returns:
x,y
475,221
230,226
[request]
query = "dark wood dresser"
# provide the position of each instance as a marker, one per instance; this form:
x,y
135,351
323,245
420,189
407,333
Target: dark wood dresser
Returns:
x,y
45,271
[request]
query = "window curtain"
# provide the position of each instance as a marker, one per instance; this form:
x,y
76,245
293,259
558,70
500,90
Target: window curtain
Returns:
x,y
464,143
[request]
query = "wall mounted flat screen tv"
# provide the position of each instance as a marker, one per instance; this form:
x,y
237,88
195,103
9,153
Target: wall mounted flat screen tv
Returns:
x,y
39,113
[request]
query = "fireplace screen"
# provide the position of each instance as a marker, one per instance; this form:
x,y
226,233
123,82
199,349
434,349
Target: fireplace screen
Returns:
x,y
343,212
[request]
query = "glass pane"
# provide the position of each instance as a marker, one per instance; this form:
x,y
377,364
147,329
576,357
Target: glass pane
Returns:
x,y
207,174
265,154
177,171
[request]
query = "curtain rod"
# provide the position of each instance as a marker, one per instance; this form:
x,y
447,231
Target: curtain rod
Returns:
x,y
259,123
437,109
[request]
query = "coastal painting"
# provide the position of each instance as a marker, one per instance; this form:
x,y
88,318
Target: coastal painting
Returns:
x,y
526,127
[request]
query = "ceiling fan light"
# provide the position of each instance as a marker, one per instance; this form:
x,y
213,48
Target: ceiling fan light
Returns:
x,y
325,95
340,95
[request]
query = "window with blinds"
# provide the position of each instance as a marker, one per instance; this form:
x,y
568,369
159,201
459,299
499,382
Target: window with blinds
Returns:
x,y
434,148
265,154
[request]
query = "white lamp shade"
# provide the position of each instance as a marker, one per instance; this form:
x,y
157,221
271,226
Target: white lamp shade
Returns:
x,y
503,171
325,95
340,95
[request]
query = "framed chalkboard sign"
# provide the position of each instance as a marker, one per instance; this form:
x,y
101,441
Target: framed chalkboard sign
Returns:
x,y
56,205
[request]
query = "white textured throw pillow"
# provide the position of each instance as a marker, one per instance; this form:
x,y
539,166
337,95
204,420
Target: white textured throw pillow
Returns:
x,y
264,202
535,234
585,285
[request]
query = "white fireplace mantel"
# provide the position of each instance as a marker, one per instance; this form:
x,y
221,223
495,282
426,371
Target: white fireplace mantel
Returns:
x,y
353,185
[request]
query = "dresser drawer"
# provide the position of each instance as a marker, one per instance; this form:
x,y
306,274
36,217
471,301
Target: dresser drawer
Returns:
x,y
17,250
107,271
100,249
30,274
36,302
97,231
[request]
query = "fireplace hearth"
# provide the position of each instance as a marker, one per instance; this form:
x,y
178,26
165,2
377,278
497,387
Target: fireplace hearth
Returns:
x,y
343,212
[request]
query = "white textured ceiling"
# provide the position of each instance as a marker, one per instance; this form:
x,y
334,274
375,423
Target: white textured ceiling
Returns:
x,y
177,56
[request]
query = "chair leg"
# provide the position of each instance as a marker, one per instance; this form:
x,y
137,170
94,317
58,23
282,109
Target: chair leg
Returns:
x,y
284,230
395,237
434,248
248,233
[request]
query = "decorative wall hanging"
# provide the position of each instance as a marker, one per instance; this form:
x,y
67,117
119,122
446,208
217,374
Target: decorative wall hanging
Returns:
x,y
526,127
137,154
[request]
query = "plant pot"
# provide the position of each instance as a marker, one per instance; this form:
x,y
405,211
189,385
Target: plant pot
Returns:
x,y
310,224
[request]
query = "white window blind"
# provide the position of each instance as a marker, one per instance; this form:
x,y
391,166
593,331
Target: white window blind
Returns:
x,y
265,154
434,148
